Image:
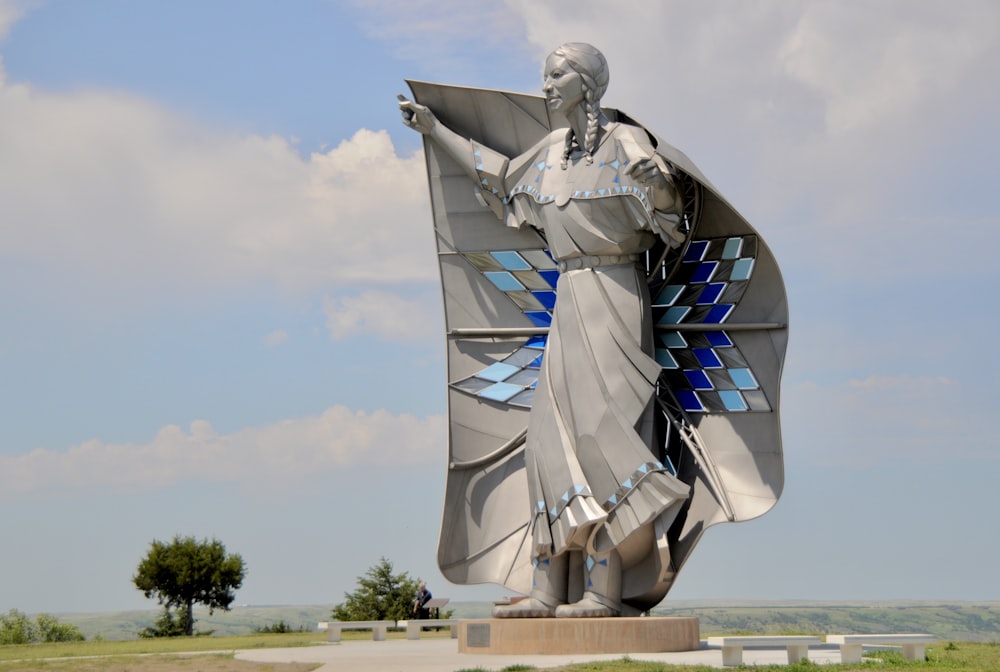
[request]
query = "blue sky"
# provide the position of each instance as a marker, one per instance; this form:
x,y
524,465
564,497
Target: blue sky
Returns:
x,y
222,318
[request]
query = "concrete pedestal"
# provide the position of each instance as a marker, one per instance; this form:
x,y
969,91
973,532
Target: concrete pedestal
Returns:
x,y
578,635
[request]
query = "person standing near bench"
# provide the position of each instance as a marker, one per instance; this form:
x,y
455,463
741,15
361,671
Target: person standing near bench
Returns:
x,y
420,603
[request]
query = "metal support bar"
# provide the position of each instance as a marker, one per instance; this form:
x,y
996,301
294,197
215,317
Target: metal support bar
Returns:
x,y
497,332
509,447
511,332
731,326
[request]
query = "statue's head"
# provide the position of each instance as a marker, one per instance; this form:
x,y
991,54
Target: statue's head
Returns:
x,y
589,63
582,91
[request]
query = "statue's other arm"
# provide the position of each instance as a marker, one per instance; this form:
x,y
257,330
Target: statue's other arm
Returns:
x,y
656,173
650,169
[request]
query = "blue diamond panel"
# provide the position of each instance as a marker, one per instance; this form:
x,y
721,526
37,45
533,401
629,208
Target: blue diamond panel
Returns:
x,y
707,358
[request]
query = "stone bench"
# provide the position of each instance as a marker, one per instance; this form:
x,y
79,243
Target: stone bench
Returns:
x,y
378,628
850,645
414,626
732,647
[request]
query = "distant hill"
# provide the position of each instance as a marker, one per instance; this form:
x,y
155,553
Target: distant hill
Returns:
x,y
959,621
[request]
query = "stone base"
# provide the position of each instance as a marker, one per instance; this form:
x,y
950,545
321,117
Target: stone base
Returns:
x,y
649,634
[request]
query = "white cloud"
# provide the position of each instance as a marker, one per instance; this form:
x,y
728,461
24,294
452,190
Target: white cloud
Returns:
x,y
271,457
386,316
127,198
902,55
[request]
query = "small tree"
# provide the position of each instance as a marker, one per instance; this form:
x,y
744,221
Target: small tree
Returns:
x,y
184,572
381,596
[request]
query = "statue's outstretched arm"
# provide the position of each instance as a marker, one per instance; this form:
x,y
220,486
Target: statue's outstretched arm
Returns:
x,y
421,119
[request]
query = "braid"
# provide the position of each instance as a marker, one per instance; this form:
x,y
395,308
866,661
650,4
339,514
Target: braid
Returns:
x,y
567,148
589,145
593,125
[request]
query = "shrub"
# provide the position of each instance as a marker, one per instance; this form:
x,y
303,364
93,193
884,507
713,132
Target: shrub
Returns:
x,y
278,628
51,630
167,625
17,628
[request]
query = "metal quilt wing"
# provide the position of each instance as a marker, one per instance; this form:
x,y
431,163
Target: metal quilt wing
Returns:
x,y
494,278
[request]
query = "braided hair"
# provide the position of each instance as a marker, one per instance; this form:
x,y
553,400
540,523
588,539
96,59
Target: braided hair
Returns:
x,y
588,62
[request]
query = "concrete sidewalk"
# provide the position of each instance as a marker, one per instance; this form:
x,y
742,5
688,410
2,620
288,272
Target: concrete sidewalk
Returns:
x,y
441,655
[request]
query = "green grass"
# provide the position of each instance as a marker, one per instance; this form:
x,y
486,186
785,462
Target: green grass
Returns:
x,y
946,657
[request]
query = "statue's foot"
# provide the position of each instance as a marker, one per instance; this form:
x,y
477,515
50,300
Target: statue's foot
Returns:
x,y
588,607
529,607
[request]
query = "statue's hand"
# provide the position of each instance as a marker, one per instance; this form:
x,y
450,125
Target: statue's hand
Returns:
x,y
647,173
654,173
416,116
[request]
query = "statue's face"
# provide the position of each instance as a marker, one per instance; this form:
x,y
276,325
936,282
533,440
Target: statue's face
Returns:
x,y
563,86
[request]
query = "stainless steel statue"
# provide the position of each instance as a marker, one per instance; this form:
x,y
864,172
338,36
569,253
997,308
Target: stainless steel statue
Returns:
x,y
614,351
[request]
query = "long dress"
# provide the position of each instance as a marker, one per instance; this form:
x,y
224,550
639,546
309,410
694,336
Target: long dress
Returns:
x,y
593,476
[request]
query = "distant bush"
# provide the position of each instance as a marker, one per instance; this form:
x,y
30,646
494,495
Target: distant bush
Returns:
x,y
278,628
51,630
17,628
171,625
167,625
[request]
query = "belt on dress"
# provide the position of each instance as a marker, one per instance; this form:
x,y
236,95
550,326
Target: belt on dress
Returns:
x,y
593,260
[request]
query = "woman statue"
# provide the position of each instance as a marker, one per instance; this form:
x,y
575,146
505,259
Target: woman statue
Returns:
x,y
601,196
